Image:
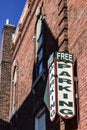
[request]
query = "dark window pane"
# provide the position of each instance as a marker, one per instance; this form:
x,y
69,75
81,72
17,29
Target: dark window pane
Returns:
x,y
40,54
40,67
41,40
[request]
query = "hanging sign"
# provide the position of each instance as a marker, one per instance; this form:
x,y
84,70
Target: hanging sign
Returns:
x,y
52,87
60,85
65,85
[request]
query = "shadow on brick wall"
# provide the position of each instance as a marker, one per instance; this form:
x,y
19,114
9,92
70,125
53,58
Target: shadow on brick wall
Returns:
x,y
4,125
50,45
23,118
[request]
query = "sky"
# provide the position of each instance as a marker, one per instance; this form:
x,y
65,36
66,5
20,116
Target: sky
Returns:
x,y
12,10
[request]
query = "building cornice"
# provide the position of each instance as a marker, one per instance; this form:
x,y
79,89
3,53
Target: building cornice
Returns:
x,y
20,31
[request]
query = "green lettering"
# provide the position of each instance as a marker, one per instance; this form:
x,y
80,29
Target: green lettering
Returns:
x,y
61,80
52,105
52,97
63,66
51,67
52,82
52,75
66,111
65,96
52,113
69,104
65,88
52,90
64,73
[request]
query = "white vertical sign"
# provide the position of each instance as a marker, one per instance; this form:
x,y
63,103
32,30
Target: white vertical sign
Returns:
x,y
61,86
52,91
52,87
65,86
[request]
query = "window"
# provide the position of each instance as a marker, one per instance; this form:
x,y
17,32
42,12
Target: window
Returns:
x,y
40,120
39,44
14,90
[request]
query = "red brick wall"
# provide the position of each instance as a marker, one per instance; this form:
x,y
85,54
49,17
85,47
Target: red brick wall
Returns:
x,y
77,24
82,83
25,59
6,56
75,39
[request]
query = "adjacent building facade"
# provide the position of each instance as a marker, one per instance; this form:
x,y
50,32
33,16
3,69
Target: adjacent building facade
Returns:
x,y
43,68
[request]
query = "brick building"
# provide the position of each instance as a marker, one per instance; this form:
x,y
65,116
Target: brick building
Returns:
x,y
45,28
5,70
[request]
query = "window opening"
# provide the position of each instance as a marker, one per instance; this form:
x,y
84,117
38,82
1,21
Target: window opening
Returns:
x,y
39,44
14,89
40,120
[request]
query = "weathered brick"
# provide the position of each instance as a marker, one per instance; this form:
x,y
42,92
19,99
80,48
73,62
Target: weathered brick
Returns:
x,y
60,14
8,30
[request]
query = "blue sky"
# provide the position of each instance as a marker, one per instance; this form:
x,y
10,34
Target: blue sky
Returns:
x,y
10,9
